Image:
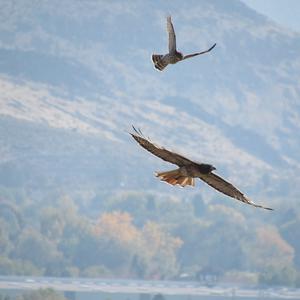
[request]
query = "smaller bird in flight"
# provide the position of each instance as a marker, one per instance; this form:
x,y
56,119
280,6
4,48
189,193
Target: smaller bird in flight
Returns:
x,y
161,61
189,170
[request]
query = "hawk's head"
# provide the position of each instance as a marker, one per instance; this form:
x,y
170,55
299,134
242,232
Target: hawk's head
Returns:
x,y
179,56
206,168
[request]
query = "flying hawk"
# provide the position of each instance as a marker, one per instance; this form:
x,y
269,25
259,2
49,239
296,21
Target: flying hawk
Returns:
x,y
161,61
189,170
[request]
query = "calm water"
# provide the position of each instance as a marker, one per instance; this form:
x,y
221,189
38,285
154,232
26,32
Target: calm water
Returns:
x,y
98,289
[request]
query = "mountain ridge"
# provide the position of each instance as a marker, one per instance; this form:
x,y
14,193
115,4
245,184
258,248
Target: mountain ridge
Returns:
x,y
90,73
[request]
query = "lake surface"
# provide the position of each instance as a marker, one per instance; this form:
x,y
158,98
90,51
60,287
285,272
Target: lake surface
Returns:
x,y
96,289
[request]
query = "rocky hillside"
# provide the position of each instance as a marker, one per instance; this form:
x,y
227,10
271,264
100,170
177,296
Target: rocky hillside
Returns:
x,y
74,76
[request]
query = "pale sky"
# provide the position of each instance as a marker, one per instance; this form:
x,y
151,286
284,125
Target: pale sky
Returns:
x,y
284,12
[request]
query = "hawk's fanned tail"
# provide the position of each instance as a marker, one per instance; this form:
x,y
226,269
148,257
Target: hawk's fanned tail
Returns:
x,y
175,177
158,61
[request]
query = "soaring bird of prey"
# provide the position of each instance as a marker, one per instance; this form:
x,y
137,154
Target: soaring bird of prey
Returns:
x,y
161,61
189,170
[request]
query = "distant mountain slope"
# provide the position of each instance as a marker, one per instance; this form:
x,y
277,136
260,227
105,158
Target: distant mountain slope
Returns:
x,y
75,75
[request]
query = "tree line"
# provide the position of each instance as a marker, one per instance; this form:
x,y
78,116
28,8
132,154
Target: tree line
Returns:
x,y
147,236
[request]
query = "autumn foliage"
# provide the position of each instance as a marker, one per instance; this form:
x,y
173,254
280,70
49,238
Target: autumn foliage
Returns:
x,y
148,236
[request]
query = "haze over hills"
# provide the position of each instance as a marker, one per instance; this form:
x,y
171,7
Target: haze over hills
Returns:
x,y
75,75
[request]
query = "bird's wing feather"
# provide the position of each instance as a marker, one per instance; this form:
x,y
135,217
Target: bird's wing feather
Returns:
x,y
199,53
227,188
160,152
172,36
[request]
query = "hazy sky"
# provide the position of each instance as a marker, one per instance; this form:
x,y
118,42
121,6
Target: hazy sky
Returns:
x,y
285,12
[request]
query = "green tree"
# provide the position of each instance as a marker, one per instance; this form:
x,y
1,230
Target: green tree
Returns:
x,y
10,266
213,242
117,240
269,251
157,252
96,271
42,294
34,247
12,218
5,242
277,275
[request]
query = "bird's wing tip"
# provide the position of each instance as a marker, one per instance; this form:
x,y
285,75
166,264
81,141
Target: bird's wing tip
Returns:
x,y
268,208
137,131
249,201
213,46
260,206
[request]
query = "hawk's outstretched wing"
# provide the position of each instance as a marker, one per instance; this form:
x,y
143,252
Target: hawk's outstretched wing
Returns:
x,y
160,152
172,36
199,53
227,188
174,177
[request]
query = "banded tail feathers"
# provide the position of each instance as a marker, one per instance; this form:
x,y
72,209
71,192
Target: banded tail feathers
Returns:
x,y
158,61
175,177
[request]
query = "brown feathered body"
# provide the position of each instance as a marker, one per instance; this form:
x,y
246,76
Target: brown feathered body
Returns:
x,y
189,170
161,61
185,175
